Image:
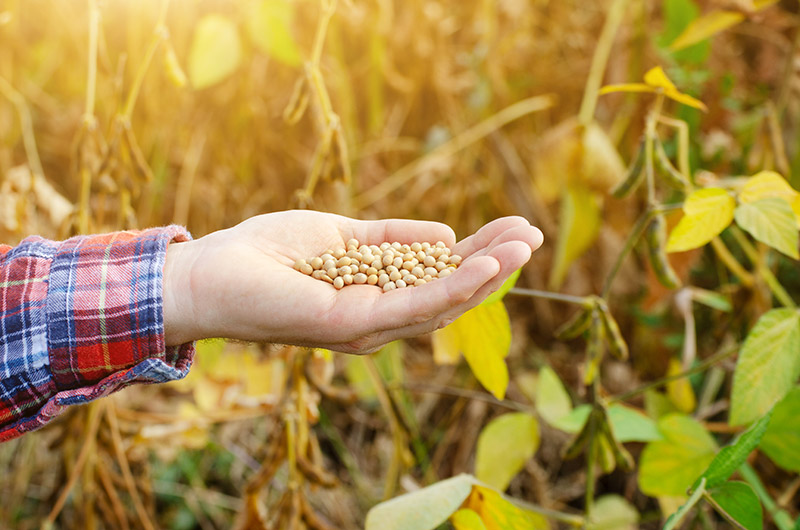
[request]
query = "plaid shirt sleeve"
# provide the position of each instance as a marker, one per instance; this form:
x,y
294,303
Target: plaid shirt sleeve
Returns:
x,y
80,319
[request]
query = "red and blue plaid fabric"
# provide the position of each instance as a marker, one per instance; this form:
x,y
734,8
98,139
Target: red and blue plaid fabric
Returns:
x,y
80,319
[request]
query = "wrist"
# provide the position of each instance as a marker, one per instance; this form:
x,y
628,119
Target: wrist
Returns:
x,y
179,308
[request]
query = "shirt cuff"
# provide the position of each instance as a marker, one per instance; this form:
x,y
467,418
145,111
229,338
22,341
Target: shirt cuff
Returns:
x,y
104,314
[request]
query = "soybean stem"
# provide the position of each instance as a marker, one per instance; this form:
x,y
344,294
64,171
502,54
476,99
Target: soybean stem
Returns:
x,y
600,60
714,359
158,36
731,262
777,289
630,242
549,295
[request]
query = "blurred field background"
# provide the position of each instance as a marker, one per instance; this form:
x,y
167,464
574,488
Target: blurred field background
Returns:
x,y
204,113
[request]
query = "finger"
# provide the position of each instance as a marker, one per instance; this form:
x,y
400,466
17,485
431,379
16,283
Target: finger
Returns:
x,y
405,307
402,230
528,235
486,234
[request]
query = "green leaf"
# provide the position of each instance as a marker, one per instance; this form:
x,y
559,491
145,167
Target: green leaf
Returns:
x,y
503,290
483,335
424,509
732,456
670,466
781,441
768,365
269,23
389,361
706,26
504,445
772,222
739,502
552,400
612,512
629,425
215,51
579,222
708,212
466,519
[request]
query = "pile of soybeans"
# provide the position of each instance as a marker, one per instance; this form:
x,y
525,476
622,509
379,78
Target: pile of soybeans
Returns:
x,y
388,266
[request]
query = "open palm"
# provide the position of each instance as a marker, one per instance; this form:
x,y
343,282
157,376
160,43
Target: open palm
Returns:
x,y
243,285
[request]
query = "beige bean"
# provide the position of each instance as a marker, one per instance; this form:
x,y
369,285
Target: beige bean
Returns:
x,y
388,286
370,271
376,264
439,266
299,264
316,263
398,262
375,249
425,246
352,242
391,268
344,270
455,259
416,247
444,258
438,252
408,265
440,244
332,272
419,282
388,258
343,261
431,271
372,279
421,255
329,264
428,278
400,284
394,276
383,279
327,255
338,282
354,255
444,273
339,252
317,275
385,245
363,267
360,278
327,278
305,268
408,256
348,279
429,261
418,271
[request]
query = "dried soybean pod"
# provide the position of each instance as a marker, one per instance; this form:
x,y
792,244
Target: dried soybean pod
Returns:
x,y
666,170
656,236
298,102
582,439
616,343
621,455
594,347
575,325
634,175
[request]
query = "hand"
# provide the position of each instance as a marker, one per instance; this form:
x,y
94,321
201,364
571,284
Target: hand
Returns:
x,y
240,283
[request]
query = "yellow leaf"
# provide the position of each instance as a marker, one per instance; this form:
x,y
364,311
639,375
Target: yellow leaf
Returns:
x,y
497,513
483,335
578,226
707,212
685,99
445,346
601,166
258,378
655,77
706,26
215,51
770,184
627,87
680,391
466,519
207,394
269,23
